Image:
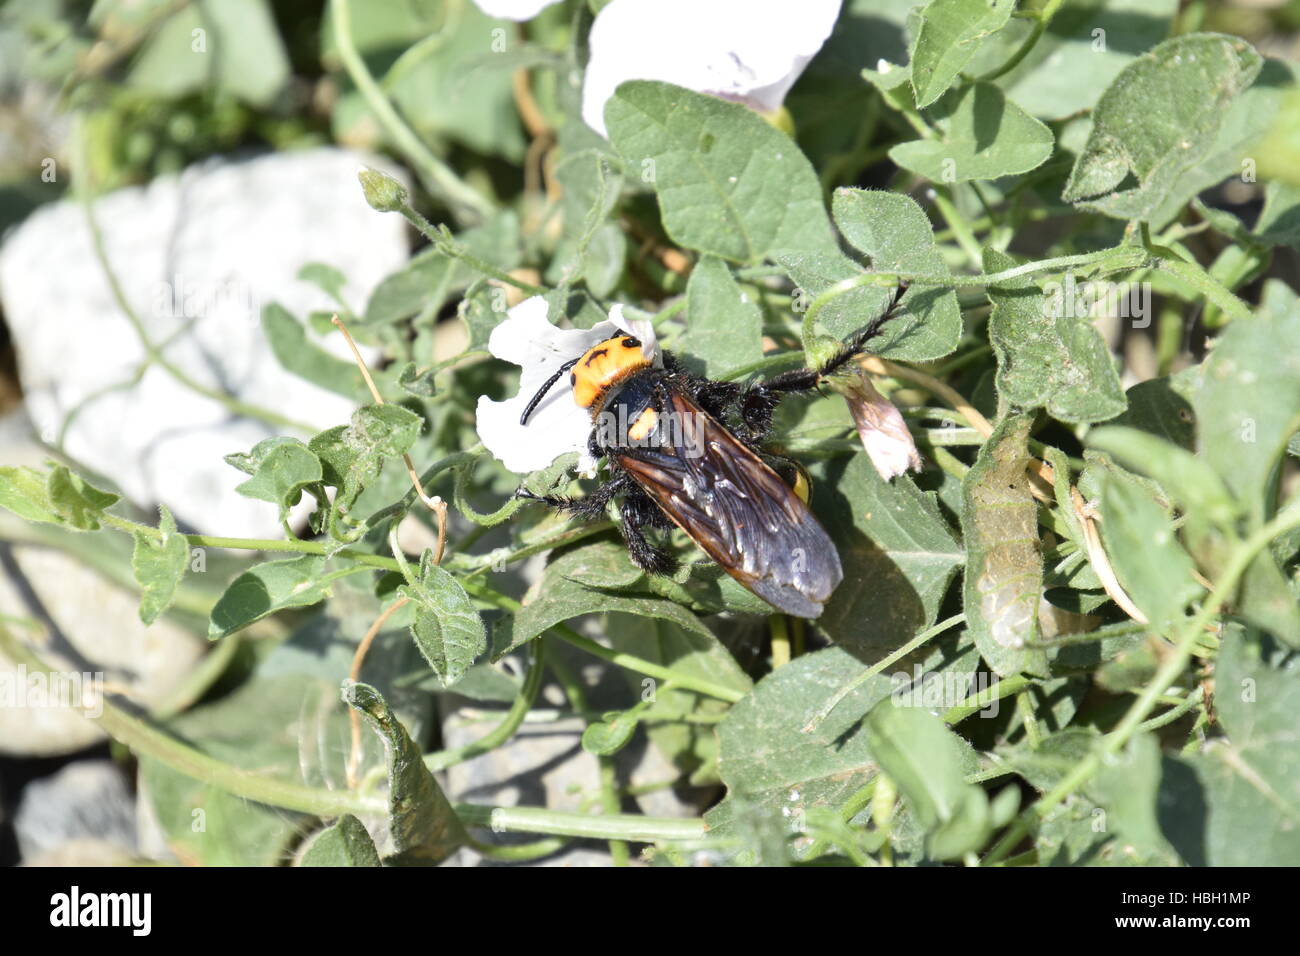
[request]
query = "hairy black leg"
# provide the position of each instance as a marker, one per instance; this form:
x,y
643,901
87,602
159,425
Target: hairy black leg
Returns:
x,y
651,514
590,507
639,511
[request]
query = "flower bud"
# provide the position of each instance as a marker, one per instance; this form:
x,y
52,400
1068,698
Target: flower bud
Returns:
x,y
382,191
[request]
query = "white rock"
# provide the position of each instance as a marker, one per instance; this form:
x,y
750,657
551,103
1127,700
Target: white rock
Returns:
x,y
86,800
197,255
97,640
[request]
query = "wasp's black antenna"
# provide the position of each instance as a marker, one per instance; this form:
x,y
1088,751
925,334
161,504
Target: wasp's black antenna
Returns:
x,y
541,392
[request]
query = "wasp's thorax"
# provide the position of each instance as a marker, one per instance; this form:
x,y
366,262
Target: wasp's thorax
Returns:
x,y
602,368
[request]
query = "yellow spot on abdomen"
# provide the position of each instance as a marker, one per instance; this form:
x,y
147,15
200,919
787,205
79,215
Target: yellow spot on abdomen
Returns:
x,y
644,425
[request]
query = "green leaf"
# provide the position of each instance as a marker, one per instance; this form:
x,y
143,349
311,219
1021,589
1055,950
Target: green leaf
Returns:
x,y
1004,570
230,46
606,737
724,326
557,598
482,310
894,231
799,742
1238,802
982,135
352,455
594,248
271,587
691,747
424,284
1155,407
424,826
447,628
1157,124
300,355
1187,478
1047,357
1279,220
1073,62
601,564
1248,405
282,468
458,87
23,491
78,503
849,307
728,183
158,565
1127,787
897,552
330,280
287,727
951,32
766,758
1055,756
1145,552
414,382
345,843
924,758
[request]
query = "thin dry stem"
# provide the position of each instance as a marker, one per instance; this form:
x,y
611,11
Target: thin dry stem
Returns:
x,y
354,758
435,503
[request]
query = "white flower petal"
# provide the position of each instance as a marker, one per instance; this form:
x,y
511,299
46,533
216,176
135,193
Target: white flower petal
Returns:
x,y
558,425
642,329
750,51
513,9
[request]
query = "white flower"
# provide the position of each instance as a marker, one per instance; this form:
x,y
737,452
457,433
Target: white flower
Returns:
x,y
558,425
513,9
881,428
749,51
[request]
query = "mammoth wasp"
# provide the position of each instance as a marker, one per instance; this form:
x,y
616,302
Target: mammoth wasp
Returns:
x,y
687,451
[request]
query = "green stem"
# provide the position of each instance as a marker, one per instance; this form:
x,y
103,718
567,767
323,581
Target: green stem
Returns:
x,y
292,545
147,740
961,231
1167,260
625,826
1116,259
565,536
466,204
519,852
1041,19
1169,716
780,630
981,699
448,246
879,667
1025,706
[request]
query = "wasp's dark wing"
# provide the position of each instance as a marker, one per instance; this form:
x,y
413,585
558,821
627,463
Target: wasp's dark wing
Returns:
x,y
738,510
